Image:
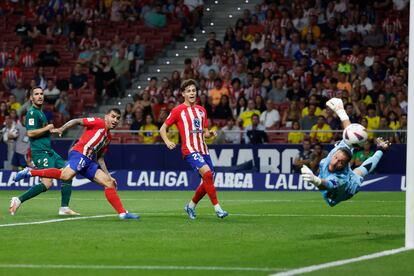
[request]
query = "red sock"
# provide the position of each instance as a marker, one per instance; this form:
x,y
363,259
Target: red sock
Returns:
x,y
208,184
113,198
48,173
199,193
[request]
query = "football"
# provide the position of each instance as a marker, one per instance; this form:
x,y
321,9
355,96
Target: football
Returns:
x,y
355,135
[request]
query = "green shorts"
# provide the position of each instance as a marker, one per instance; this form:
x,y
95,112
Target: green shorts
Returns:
x,y
51,159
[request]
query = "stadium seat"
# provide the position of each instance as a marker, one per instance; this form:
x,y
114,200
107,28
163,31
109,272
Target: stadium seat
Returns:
x,y
76,107
58,119
88,96
116,140
133,139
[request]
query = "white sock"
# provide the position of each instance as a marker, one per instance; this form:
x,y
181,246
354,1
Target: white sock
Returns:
x,y
191,204
217,208
64,208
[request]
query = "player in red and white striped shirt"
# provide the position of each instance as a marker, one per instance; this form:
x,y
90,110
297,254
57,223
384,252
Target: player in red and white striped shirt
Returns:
x,y
191,121
94,140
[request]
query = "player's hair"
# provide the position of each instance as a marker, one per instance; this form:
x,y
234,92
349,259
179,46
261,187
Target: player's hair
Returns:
x,y
116,110
347,152
187,83
33,89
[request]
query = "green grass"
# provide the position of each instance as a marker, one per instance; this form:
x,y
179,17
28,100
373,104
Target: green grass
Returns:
x,y
278,230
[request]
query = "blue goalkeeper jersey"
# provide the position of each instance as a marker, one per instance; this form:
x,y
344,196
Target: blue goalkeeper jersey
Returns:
x,y
341,185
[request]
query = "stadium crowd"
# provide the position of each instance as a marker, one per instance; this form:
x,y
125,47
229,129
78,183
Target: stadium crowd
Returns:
x,y
274,69
282,61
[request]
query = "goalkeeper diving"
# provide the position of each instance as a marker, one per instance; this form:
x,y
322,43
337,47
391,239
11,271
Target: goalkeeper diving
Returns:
x,y
336,181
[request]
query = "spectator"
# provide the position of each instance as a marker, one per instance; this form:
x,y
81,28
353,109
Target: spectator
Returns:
x,y
21,147
322,137
77,25
316,156
296,137
9,136
223,110
127,115
149,131
270,118
78,79
51,93
291,114
245,118
393,120
86,55
256,89
62,105
255,132
308,121
207,66
296,93
278,92
49,57
364,123
91,39
241,106
375,38
105,78
217,92
360,156
400,135
11,74
386,134
136,54
138,120
394,107
121,68
28,57
372,118
155,18
231,132
303,157
19,92
206,103
24,29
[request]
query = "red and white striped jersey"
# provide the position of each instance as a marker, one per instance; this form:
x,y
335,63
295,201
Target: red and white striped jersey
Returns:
x,y
95,138
190,121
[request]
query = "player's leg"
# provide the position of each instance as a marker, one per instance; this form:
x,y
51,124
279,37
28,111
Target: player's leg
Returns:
x,y
101,178
371,163
207,173
65,189
40,161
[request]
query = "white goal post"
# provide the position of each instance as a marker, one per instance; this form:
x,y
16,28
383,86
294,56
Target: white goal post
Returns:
x,y
409,204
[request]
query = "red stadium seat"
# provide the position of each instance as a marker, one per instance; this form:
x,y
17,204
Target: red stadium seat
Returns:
x,y
88,96
76,107
133,139
58,119
116,140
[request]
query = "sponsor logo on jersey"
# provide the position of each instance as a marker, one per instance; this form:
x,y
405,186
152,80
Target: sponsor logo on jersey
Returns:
x,y
31,121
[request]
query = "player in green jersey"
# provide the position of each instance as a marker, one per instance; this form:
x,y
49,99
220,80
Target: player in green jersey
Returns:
x,y
43,156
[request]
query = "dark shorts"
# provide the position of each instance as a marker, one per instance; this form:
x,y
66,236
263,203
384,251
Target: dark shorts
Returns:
x,y
82,164
197,160
18,160
50,159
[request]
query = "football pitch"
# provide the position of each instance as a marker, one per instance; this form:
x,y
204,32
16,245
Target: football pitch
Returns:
x,y
266,233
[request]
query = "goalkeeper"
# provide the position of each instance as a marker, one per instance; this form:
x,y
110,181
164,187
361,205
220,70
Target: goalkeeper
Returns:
x,y
336,181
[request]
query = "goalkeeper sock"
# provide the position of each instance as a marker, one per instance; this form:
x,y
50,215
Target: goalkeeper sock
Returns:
x,y
33,191
198,195
113,199
209,187
370,164
66,192
48,173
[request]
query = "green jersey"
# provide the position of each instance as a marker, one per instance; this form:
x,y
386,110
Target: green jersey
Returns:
x,y
35,119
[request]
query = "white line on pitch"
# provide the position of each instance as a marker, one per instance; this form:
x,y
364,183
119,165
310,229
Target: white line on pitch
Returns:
x,y
140,267
340,262
226,200
53,220
282,215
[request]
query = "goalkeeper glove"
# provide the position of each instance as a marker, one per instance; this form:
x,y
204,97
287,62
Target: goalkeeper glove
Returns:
x,y
308,175
337,106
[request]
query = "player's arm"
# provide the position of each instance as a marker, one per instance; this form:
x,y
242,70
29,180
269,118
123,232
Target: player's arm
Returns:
x,y
163,133
40,131
209,133
307,175
70,124
337,106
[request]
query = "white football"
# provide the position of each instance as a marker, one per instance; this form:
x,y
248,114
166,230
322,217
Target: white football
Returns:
x,y
355,135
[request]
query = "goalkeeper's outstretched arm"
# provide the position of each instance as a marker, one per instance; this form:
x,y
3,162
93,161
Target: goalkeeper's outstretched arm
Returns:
x,y
337,106
308,175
